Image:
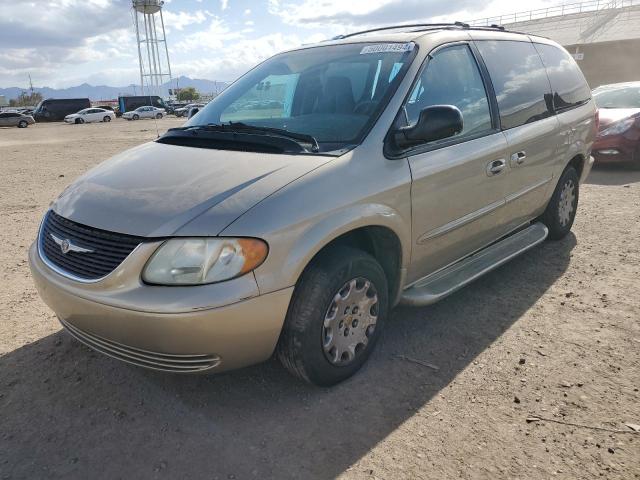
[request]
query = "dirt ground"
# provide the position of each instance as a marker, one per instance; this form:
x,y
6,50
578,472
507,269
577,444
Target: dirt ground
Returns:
x,y
553,334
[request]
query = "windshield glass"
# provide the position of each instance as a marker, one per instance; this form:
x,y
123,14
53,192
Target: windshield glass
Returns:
x,y
333,93
628,97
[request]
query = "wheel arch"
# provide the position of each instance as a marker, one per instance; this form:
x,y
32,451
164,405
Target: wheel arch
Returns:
x,y
374,229
382,243
578,162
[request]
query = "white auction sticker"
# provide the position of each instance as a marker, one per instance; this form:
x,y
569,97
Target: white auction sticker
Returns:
x,y
388,48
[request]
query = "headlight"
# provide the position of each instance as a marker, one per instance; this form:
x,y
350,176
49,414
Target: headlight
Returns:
x,y
620,127
196,261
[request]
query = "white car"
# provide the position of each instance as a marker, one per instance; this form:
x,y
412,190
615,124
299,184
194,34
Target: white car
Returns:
x,y
144,112
88,115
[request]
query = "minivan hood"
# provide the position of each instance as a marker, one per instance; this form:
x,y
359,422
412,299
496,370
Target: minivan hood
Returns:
x,y
609,116
159,190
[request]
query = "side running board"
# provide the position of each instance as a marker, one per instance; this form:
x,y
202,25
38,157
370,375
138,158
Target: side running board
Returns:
x,y
444,282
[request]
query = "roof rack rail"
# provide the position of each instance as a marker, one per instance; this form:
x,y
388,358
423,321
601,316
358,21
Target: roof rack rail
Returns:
x,y
421,27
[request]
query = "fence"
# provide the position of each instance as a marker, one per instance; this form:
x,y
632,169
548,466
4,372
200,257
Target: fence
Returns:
x,y
559,10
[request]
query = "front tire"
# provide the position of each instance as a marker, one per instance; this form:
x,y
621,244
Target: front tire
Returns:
x,y
159,116
107,118
22,124
562,208
79,121
136,117
335,317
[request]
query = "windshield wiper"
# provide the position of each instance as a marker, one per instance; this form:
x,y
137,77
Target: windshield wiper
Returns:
x,y
307,142
302,137
211,136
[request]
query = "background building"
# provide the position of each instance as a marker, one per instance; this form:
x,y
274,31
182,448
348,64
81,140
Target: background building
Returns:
x,y
603,37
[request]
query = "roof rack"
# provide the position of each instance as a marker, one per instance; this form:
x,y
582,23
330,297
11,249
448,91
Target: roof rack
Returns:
x,y
420,27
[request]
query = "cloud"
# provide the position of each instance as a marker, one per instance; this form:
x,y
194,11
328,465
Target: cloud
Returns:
x,y
236,57
182,19
70,40
366,13
213,37
64,23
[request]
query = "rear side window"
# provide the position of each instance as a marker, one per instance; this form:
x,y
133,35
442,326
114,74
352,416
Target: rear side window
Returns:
x,y
452,77
519,80
569,87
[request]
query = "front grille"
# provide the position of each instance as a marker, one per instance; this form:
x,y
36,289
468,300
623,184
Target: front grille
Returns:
x,y
144,358
108,249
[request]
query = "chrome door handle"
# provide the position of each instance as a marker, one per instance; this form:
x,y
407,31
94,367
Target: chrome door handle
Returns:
x,y
518,158
495,167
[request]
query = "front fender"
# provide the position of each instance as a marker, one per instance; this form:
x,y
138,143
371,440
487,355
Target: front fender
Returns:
x,y
338,197
291,250
320,234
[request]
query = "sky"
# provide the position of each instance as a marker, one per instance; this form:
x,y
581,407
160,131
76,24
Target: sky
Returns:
x,y
63,43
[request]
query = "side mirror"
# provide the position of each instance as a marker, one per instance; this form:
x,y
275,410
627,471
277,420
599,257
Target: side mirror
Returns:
x,y
434,123
193,111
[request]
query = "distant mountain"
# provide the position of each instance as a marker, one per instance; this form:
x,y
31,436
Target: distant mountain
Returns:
x,y
104,92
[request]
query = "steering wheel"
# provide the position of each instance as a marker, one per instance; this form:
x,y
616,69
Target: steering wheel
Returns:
x,y
365,107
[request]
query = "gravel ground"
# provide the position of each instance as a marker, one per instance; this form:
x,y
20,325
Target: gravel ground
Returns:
x,y
554,334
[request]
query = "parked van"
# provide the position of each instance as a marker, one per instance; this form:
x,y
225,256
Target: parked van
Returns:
x,y
321,189
55,109
130,103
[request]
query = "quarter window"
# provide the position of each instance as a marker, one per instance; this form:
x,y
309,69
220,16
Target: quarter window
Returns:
x,y
569,87
452,77
519,80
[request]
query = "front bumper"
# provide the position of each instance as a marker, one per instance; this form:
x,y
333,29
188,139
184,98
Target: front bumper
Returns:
x,y
166,328
614,149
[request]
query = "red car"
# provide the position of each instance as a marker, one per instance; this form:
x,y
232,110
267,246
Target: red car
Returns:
x,y
618,137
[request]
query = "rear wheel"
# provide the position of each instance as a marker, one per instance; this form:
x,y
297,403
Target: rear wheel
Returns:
x,y
107,118
561,210
23,124
335,318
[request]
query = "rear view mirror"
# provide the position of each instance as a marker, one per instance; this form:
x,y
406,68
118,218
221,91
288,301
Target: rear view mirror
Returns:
x,y
434,123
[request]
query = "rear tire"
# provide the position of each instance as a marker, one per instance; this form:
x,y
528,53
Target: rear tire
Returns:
x,y
335,317
561,210
23,124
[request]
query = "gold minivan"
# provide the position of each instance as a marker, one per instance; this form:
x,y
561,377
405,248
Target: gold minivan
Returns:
x,y
322,188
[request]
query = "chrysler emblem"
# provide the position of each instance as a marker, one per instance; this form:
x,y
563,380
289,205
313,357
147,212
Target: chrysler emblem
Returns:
x,y
66,246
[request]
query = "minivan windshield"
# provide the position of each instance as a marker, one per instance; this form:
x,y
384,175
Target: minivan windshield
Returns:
x,y
333,93
623,97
